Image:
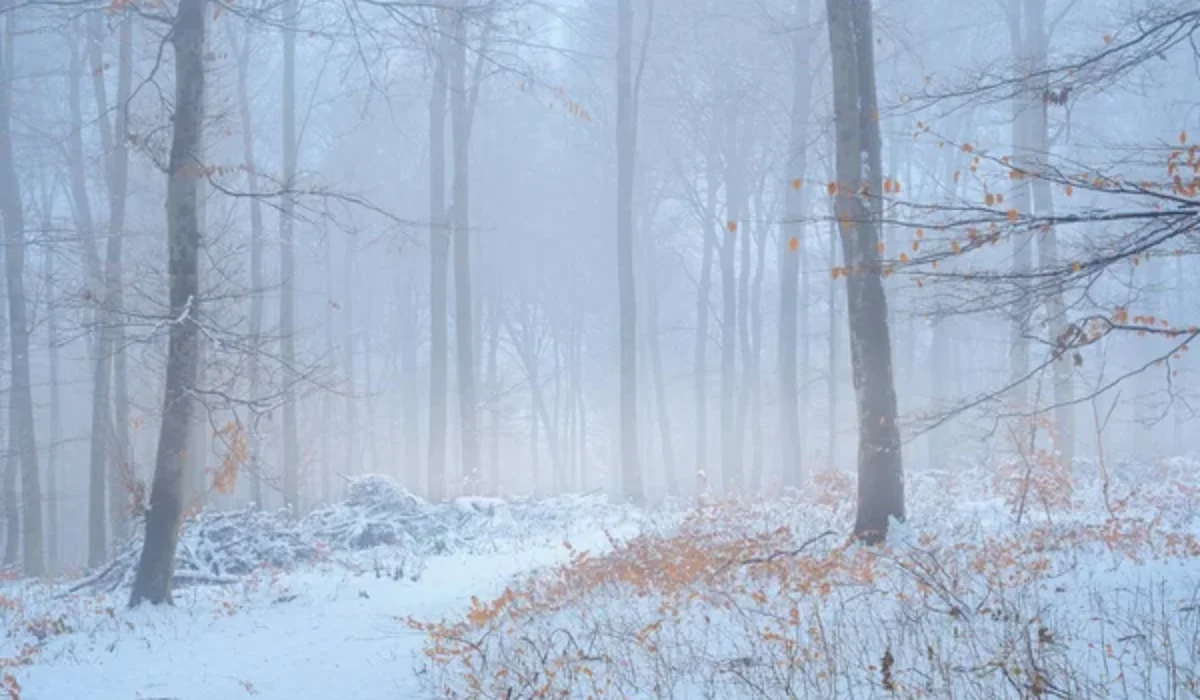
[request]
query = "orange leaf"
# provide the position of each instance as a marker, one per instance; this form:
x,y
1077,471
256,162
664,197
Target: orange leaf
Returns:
x,y
989,199
1012,215
968,148
836,271
797,184
880,247
831,188
1183,137
794,244
1108,39
732,226
1070,190
920,233
955,247
1076,267
904,258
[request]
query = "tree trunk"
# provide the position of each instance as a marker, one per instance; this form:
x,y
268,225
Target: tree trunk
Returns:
x,y
464,330
254,369
754,357
880,475
287,263
631,471
835,352
1020,200
493,389
791,252
439,254
350,433
409,401
650,261
55,427
156,565
14,268
327,490
1043,202
112,141
703,295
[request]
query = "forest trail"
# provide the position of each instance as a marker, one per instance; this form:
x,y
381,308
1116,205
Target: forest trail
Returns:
x,y
324,632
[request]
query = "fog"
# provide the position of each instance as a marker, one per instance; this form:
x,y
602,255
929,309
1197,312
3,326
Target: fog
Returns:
x,y
453,206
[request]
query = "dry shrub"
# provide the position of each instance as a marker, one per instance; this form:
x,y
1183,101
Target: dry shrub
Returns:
x,y
743,600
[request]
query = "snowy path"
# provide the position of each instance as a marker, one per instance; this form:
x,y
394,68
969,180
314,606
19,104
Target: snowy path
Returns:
x,y
343,636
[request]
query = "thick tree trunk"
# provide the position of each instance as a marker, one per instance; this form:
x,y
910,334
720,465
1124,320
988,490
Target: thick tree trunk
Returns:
x,y
11,205
439,254
493,389
156,565
792,251
287,264
880,475
835,352
631,471
1020,200
754,357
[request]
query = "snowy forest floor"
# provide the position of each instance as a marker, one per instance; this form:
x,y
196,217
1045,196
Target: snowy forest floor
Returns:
x,y
1024,580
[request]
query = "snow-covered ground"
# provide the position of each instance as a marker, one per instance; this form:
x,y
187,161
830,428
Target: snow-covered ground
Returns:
x,y
330,624
321,632
1093,591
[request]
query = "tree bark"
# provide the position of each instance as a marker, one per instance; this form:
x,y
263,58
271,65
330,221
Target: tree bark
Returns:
x,y
254,370
14,266
350,433
631,471
55,427
703,296
792,250
439,254
880,475
152,582
112,140
463,312
287,263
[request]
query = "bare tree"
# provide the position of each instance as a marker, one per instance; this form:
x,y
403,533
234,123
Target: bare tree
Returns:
x,y
859,172
152,582
287,260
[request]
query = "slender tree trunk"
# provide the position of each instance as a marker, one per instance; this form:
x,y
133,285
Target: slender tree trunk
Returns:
x,y
112,141
11,206
493,388
703,295
327,490
351,431
463,313
835,352
792,252
1043,201
55,427
152,582
631,471
880,475
287,263
439,249
754,357
254,370
650,262
409,402
1020,200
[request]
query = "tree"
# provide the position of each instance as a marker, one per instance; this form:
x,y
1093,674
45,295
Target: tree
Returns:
x,y
626,155
439,255
152,582
21,401
287,261
859,178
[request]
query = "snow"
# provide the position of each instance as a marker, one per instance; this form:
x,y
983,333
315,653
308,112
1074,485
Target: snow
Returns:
x,y
331,623
342,635
1114,592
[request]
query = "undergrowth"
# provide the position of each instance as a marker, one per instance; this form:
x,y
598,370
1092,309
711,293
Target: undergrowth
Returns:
x,y
1093,593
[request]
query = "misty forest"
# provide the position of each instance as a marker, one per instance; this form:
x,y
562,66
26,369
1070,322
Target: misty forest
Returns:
x,y
582,348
